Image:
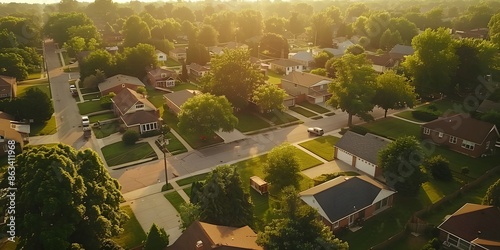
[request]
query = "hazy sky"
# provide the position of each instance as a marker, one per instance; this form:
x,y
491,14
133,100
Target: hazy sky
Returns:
x,y
57,1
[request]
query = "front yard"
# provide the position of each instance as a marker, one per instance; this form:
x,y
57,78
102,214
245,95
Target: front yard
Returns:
x,y
120,153
101,117
279,118
321,146
437,107
247,122
106,129
392,128
302,111
133,235
42,85
47,128
89,107
314,107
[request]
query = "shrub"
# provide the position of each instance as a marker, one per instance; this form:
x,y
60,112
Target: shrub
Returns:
x,y
439,167
130,137
360,130
122,129
106,102
432,244
465,170
109,244
432,107
424,115
157,238
150,133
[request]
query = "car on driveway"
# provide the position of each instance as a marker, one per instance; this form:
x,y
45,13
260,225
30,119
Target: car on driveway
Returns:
x,y
85,123
316,131
72,90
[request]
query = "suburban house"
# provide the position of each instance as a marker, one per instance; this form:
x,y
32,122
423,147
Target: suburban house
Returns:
x,y
382,63
117,83
340,46
290,37
205,236
12,130
479,33
197,70
161,77
473,226
8,87
488,105
112,49
175,100
161,56
219,50
347,201
303,57
285,66
398,52
136,112
178,54
360,151
455,132
306,86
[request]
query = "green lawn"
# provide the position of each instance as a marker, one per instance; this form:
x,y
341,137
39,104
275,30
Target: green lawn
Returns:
x,y
184,85
477,166
119,153
187,191
89,97
321,146
172,63
175,199
101,117
193,139
279,118
440,106
106,129
409,242
157,100
47,128
44,87
87,90
174,145
273,77
34,75
303,111
314,107
191,179
133,235
89,107
393,128
249,122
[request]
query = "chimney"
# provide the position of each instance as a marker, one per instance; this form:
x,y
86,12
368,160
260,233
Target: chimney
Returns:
x,y
199,244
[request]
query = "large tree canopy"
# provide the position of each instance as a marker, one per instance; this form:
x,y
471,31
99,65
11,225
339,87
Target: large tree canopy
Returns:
x,y
134,60
274,45
233,75
355,86
206,114
269,97
59,24
393,91
65,197
282,167
135,31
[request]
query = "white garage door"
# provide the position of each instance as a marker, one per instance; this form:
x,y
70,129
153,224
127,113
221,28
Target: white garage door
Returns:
x,y
365,167
344,156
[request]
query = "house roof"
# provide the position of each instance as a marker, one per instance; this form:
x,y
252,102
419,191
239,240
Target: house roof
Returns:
x,y
285,63
402,49
127,98
363,146
180,97
157,51
342,196
303,56
335,52
198,67
119,79
488,105
382,60
306,79
6,131
6,84
475,223
140,117
461,125
216,237
178,50
156,73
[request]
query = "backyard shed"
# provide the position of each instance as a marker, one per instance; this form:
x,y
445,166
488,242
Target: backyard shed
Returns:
x,y
258,184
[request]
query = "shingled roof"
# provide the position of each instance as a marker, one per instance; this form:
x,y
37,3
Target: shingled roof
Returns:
x,y
461,125
478,224
306,79
363,146
342,196
128,98
488,105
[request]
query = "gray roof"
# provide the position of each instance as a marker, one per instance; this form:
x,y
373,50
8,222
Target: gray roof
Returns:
x,y
180,97
402,49
285,62
488,105
303,55
119,79
365,147
305,79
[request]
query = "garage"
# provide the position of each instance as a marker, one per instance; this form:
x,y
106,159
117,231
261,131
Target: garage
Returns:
x,y
365,166
344,156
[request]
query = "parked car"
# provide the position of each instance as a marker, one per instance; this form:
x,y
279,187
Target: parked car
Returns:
x,y
72,90
85,123
316,131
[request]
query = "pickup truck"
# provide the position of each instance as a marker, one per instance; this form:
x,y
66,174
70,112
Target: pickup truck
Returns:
x,y
316,131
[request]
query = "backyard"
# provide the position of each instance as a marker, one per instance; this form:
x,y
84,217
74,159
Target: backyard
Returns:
x,y
133,235
274,78
120,153
184,85
321,146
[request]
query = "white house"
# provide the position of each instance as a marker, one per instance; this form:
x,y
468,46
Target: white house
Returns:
x,y
162,56
286,66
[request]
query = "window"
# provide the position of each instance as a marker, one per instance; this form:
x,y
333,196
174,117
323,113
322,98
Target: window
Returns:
x,y
453,240
462,244
468,145
381,204
139,106
336,224
440,134
149,126
453,139
427,131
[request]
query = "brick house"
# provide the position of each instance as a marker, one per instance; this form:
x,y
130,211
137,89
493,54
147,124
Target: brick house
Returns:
x,y
462,133
306,86
118,83
162,78
286,66
344,202
360,151
8,87
474,227
136,112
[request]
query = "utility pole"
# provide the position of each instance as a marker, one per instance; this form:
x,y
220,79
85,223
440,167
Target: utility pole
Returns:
x,y
164,131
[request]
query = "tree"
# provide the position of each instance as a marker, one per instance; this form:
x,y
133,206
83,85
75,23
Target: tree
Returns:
x,y
274,45
183,13
319,71
86,32
355,86
189,213
68,5
400,162
135,31
12,64
321,58
492,196
233,76
130,137
208,35
433,63
276,25
97,60
393,91
58,25
65,196
389,39
269,97
249,23
494,29
321,30
282,167
184,73
406,29
134,60
36,105
491,116
223,200
206,114
8,39
197,53
298,227
354,49
439,167
141,90
74,46
296,24
157,238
